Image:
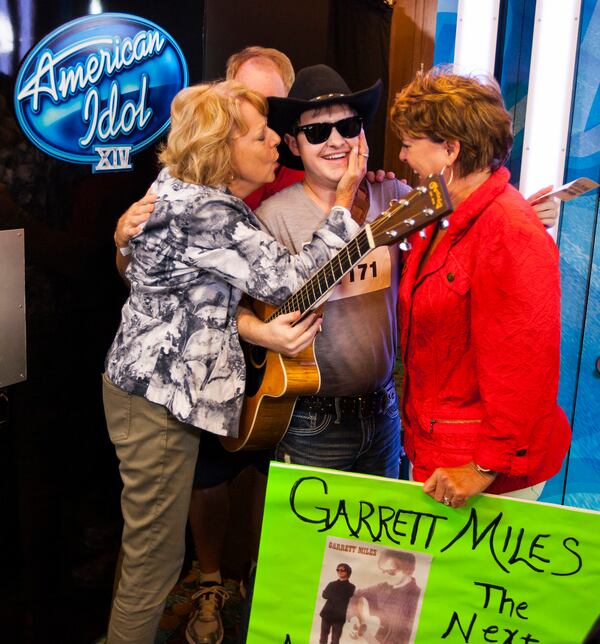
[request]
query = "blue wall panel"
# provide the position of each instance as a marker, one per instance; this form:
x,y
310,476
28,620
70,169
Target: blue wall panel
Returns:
x,y
513,61
583,479
445,32
579,241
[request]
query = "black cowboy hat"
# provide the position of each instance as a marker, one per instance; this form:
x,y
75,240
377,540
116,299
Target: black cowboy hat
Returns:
x,y
315,87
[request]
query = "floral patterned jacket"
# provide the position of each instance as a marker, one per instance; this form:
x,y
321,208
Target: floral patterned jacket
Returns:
x,y
177,344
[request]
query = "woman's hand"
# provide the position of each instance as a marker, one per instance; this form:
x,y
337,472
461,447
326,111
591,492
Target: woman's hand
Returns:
x,y
381,175
132,221
355,172
279,335
452,486
546,209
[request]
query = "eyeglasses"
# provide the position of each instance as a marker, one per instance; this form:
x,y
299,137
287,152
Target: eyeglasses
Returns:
x,y
341,570
320,132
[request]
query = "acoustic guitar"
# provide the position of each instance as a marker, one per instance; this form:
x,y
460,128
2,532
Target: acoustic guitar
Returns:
x,y
274,381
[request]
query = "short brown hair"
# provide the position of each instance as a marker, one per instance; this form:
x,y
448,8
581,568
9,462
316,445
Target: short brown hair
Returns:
x,y
444,106
274,56
203,120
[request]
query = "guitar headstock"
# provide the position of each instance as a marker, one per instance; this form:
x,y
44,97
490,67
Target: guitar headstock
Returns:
x,y
416,210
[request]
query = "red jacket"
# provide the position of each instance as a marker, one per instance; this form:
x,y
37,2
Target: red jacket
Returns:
x,y
480,336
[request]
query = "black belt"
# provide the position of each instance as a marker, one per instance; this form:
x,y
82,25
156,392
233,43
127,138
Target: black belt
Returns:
x,y
362,405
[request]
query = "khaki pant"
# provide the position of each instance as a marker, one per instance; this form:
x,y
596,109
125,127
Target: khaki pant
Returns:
x,y
157,455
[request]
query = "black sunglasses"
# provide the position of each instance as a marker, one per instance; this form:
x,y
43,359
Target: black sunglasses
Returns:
x,y
341,570
320,132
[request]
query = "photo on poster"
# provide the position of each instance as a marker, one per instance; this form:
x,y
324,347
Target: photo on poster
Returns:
x,y
369,594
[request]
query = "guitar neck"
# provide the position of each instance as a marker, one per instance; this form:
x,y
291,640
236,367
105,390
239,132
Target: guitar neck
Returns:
x,y
319,285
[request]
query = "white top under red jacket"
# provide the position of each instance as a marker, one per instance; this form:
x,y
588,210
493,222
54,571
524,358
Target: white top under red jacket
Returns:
x,y
177,344
480,336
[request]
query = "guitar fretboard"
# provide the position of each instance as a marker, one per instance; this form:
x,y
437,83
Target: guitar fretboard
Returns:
x,y
326,278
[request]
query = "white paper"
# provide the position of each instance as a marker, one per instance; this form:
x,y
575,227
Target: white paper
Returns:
x,y
572,189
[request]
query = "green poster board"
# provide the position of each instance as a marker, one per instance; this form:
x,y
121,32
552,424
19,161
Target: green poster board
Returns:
x,y
498,570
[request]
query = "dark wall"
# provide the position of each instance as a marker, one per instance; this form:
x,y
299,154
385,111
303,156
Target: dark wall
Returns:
x,y
359,48
352,36
299,29
59,483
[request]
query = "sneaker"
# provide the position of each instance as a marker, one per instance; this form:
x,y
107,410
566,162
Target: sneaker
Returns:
x,y
205,625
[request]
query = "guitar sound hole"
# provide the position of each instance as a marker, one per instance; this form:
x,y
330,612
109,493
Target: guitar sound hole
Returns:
x,y
255,367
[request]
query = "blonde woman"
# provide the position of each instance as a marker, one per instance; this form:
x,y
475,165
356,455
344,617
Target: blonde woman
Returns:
x,y
176,365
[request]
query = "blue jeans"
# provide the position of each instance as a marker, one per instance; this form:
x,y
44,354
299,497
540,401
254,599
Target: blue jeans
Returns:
x,y
370,445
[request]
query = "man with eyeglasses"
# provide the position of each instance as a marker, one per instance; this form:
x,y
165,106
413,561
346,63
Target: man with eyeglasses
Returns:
x,y
353,423
337,595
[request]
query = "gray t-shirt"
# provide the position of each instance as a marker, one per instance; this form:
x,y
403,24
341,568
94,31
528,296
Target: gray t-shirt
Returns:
x,y
357,349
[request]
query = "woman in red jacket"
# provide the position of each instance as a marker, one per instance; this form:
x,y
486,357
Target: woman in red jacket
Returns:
x,y
479,306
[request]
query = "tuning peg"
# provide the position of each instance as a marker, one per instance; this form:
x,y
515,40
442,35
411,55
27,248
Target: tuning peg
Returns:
x,y
404,245
391,233
423,234
428,212
444,223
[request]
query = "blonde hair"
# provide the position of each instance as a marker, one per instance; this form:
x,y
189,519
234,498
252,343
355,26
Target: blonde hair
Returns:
x,y
445,106
274,56
203,120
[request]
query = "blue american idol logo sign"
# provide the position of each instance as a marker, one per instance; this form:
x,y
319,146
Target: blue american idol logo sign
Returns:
x,y
99,89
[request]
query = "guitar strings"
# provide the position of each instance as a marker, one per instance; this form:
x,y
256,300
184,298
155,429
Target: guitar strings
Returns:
x,y
327,276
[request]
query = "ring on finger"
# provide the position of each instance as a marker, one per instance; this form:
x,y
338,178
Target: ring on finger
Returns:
x,y
364,154
446,500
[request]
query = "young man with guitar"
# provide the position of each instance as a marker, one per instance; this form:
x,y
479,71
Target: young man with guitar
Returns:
x,y
352,423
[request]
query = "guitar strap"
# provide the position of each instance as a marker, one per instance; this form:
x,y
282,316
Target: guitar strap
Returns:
x,y
361,204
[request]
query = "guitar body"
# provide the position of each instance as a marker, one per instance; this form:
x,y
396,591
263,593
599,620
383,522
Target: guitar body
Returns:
x,y
273,384
365,633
